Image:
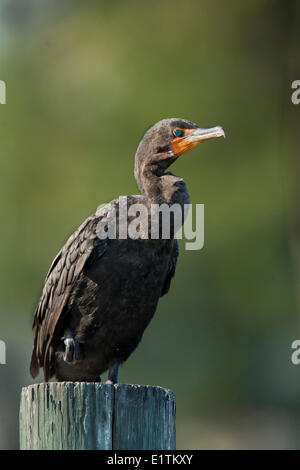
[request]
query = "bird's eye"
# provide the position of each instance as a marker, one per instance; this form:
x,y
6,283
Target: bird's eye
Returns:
x,y
178,133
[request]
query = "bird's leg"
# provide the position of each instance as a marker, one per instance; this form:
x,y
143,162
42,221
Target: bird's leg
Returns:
x,y
113,373
72,348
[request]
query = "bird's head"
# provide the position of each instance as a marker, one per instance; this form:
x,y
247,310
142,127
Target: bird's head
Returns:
x,y
168,139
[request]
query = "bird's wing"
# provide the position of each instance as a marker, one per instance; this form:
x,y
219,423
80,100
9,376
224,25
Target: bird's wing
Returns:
x,y
60,279
171,269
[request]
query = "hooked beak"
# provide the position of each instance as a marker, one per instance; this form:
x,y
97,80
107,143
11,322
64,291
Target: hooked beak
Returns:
x,y
199,135
194,137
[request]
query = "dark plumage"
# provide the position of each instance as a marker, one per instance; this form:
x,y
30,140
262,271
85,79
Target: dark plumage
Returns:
x,y
100,294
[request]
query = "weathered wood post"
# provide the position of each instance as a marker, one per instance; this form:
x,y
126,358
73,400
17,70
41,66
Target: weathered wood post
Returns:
x,y
82,415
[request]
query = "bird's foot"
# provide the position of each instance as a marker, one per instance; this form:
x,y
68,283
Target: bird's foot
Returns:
x,y
113,373
72,348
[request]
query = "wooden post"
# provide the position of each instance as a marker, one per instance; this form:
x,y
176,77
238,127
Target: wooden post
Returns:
x,y
82,415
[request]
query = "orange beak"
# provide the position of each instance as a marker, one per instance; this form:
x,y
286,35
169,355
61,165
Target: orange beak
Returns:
x,y
193,137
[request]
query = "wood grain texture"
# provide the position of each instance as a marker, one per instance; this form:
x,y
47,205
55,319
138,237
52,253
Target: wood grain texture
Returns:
x,y
144,418
81,415
66,415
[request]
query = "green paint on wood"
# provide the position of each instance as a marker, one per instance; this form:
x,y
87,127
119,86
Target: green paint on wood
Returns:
x,y
81,415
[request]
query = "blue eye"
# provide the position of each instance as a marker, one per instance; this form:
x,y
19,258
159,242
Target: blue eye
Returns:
x,y
178,132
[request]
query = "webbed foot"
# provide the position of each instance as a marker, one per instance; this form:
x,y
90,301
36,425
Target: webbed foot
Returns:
x,y
72,349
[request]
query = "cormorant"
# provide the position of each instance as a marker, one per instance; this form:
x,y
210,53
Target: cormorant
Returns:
x,y
100,293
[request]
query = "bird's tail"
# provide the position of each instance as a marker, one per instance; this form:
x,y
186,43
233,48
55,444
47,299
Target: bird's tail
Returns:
x,y
34,364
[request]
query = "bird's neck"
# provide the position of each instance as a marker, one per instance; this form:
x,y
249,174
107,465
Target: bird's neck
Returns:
x,y
160,187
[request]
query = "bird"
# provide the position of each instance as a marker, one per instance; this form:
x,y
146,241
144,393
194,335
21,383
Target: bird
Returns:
x,y
101,292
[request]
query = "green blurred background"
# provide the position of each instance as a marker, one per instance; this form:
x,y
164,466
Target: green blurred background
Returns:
x,y
84,81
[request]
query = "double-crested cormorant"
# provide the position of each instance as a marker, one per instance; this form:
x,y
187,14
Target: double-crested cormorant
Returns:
x,y
100,293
